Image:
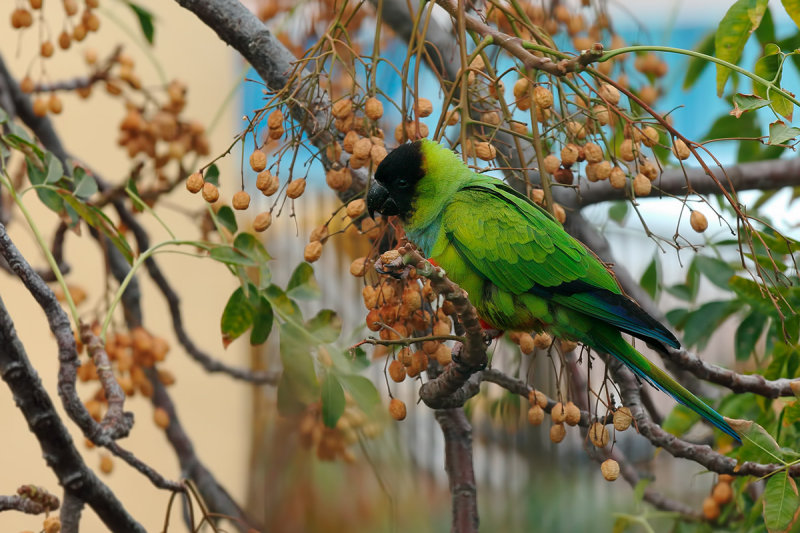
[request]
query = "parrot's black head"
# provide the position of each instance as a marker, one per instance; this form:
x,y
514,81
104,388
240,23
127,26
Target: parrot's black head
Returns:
x,y
396,178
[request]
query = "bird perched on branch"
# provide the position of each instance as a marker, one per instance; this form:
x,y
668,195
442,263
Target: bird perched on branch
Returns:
x,y
522,271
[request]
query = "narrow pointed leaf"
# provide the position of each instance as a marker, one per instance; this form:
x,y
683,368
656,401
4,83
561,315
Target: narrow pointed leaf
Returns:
x,y
742,19
332,400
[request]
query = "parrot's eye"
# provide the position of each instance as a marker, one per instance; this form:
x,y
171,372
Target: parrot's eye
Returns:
x,y
402,183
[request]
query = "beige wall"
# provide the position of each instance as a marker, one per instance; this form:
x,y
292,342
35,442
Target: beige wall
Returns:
x,y
214,409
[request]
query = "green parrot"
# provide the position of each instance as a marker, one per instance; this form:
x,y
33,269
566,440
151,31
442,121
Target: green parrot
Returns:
x,y
521,270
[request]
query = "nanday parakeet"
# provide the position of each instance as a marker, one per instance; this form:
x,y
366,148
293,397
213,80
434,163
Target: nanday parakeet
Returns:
x,y
521,270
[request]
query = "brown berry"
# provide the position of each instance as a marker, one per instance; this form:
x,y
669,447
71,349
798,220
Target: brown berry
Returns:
x,y
397,409
609,93
296,188
564,176
320,233
610,469
542,97
572,414
270,186
537,397
312,251
598,434
726,478
617,178
342,108
106,464
373,108
711,510
64,40
26,85
628,150
241,200
569,155
485,151
40,106
397,371
559,213
722,493
444,355
680,149
263,180
551,163
592,153
47,49
194,183
622,419
210,192
258,160
356,207
535,415
424,107
557,432
649,136
275,120
361,148
526,344
558,413
52,524
542,341
358,267
641,185
339,180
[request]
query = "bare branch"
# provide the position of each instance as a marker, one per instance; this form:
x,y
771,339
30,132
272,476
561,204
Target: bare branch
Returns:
x,y
458,464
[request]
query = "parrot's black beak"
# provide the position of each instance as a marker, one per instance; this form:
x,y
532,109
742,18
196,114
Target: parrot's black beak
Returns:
x,y
378,199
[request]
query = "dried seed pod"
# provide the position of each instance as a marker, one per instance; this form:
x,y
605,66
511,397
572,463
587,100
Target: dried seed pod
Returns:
x,y
551,164
558,413
339,180
295,188
602,170
241,200
258,160
397,409
397,371
194,183
610,469
262,221
350,141
312,251
577,129
538,398
275,120
598,434
485,151
542,97
356,208
617,178
680,149
649,170
622,419
161,417
537,196
535,415
628,150
698,221
342,108
210,192
526,344
557,432
358,266
361,148
569,155
711,510
572,414
373,108
559,213
521,88
649,136
601,115
722,493
641,185
592,153
609,93
563,176
424,107
542,341
444,355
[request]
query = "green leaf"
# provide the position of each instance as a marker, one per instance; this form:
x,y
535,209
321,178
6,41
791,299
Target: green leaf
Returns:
x,y
651,278
678,317
765,33
779,132
618,211
230,256
717,271
325,326
757,445
212,175
696,65
48,197
700,324
747,102
55,171
303,285
363,391
680,420
298,366
227,219
769,67
3,116
249,245
145,18
641,486
98,220
288,403
792,8
237,317
743,17
680,291
285,306
781,502
263,317
748,333
785,361
85,184
332,400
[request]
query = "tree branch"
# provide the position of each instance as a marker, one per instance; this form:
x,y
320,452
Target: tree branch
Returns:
x,y
458,464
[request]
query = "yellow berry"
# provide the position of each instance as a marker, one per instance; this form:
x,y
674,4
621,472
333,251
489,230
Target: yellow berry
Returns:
x,y
610,469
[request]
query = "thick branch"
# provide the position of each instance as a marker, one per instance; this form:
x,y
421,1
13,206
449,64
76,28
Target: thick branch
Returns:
x,y
458,464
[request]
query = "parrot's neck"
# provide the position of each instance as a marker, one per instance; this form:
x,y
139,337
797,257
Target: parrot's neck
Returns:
x,y
445,174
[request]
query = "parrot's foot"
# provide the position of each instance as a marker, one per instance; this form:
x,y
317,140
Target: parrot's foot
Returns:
x,y
456,355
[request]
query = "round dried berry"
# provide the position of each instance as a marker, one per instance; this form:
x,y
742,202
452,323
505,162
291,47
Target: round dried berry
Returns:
x,y
258,160
641,185
592,153
52,524
358,267
569,155
194,183
564,176
210,192
649,169
551,164
622,419
572,414
397,409
535,415
609,93
356,208
557,432
558,413
362,148
628,150
526,344
263,180
373,108
241,200
542,341
680,149
339,180
161,417
485,151
537,196
275,120
444,355
296,188
649,136
312,251
521,87
711,510
598,434
610,469
722,493
262,221
537,397
342,108
106,464
617,178
397,371
424,107
559,213
542,97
